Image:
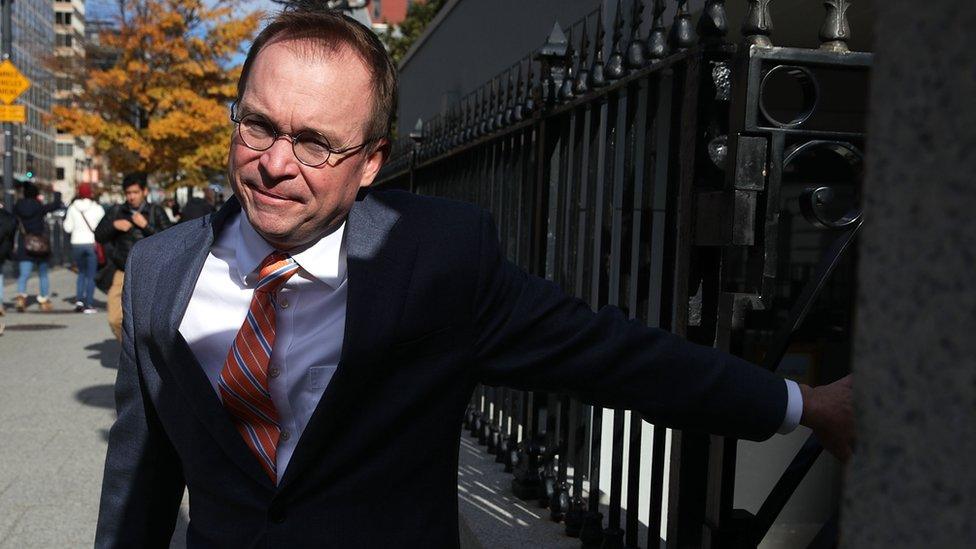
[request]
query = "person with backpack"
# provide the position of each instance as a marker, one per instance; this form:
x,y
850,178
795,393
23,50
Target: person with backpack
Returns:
x,y
80,221
33,246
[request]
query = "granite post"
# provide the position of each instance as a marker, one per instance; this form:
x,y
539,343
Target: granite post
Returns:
x,y
912,482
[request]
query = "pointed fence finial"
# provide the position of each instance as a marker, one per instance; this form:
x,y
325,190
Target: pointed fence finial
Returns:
x,y
615,69
713,22
569,73
493,105
519,94
483,110
597,78
502,102
550,58
512,101
836,31
657,40
582,84
468,132
532,92
758,25
636,50
417,135
682,32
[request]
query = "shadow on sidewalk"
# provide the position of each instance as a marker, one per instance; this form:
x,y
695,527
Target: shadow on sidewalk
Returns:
x,y
106,352
101,396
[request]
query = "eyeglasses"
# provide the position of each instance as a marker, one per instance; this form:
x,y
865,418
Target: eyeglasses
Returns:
x,y
310,148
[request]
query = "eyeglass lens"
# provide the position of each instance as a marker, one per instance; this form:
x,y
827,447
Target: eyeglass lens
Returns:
x,y
258,134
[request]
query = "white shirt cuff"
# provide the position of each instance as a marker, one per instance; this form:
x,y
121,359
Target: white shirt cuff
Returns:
x,y
794,407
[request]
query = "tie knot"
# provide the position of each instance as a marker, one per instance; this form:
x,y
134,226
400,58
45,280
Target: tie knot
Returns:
x,y
275,270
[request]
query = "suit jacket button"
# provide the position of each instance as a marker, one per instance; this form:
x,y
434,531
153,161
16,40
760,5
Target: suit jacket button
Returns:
x,y
276,515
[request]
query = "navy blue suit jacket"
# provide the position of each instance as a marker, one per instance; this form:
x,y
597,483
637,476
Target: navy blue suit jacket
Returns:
x,y
433,309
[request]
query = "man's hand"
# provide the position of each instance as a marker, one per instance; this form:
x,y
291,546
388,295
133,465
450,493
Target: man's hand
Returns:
x,y
140,220
829,411
122,225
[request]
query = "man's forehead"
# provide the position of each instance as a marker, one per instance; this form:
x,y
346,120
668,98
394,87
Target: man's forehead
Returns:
x,y
316,49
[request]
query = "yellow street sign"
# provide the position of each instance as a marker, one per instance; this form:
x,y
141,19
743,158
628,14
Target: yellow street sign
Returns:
x,y
13,113
12,82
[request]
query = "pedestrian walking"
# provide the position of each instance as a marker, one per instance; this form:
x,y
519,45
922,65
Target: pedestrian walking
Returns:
x,y
8,228
33,246
123,226
84,214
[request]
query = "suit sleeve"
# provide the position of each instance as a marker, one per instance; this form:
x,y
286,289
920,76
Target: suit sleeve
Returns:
x,y
531,336
143,483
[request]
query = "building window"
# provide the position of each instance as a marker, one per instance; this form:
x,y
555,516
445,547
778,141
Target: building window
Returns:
x,y
60,175
66,149
377,8
62,18
64,40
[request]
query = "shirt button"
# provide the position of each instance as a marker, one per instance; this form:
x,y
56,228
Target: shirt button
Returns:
x,y
285,435
283,303
274,372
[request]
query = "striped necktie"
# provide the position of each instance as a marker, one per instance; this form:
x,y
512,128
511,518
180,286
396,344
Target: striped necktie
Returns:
x,y
244,378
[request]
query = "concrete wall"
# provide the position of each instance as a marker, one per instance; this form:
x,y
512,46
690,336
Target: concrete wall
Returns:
x,y
912,482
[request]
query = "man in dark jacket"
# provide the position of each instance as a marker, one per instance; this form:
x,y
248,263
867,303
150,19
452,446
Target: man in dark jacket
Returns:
x,y
8,228
123,226
197,207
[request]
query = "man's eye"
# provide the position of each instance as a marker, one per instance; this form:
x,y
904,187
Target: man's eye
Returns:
x,y
259,126
314,145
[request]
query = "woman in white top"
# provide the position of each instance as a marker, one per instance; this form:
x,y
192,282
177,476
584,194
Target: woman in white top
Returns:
x,y
80,221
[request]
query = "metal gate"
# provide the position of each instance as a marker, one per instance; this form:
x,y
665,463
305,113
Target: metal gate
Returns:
x,y
704,187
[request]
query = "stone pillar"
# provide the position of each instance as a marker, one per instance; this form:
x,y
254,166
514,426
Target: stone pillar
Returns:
x,y
912,482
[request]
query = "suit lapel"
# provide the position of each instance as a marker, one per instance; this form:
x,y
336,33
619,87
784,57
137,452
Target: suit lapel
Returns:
x,y
379,262
169,304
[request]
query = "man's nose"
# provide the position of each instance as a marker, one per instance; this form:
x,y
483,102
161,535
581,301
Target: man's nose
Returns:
x,y
279,160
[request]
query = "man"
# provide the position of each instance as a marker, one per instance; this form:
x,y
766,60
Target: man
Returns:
x,y
197,207
8,228
304,368
123,226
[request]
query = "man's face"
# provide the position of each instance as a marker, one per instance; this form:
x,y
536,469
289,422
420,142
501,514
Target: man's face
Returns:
x,y
135,196
298,89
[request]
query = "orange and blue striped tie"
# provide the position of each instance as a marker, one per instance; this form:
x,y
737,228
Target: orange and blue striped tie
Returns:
x,y
243,380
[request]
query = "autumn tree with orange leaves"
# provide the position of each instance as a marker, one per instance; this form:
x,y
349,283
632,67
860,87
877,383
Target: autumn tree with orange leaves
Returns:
x,y
161,107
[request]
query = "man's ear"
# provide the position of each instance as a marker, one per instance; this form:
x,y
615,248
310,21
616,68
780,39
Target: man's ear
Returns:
x,y
374,161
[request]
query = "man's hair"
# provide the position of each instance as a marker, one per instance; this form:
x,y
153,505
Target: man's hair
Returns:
x,y
135,178
30,190
330,30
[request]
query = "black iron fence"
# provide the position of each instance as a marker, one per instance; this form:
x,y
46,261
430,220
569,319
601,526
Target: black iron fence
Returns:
x,y
704,187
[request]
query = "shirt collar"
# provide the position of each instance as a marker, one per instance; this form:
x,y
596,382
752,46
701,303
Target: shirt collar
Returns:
x,y
325,260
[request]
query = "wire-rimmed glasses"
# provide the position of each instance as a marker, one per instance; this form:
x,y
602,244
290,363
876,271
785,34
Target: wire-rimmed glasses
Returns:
x,y
310,148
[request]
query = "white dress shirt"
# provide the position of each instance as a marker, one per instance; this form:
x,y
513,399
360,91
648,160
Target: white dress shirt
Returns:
x,y
310,320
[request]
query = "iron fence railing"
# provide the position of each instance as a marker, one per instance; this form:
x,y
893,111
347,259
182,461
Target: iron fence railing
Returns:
x,y
704,187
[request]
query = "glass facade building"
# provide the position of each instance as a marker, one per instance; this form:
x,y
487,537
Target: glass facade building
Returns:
x,y
33,43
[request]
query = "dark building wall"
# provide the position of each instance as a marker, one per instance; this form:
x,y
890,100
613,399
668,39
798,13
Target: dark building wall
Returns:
x,y
477,39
